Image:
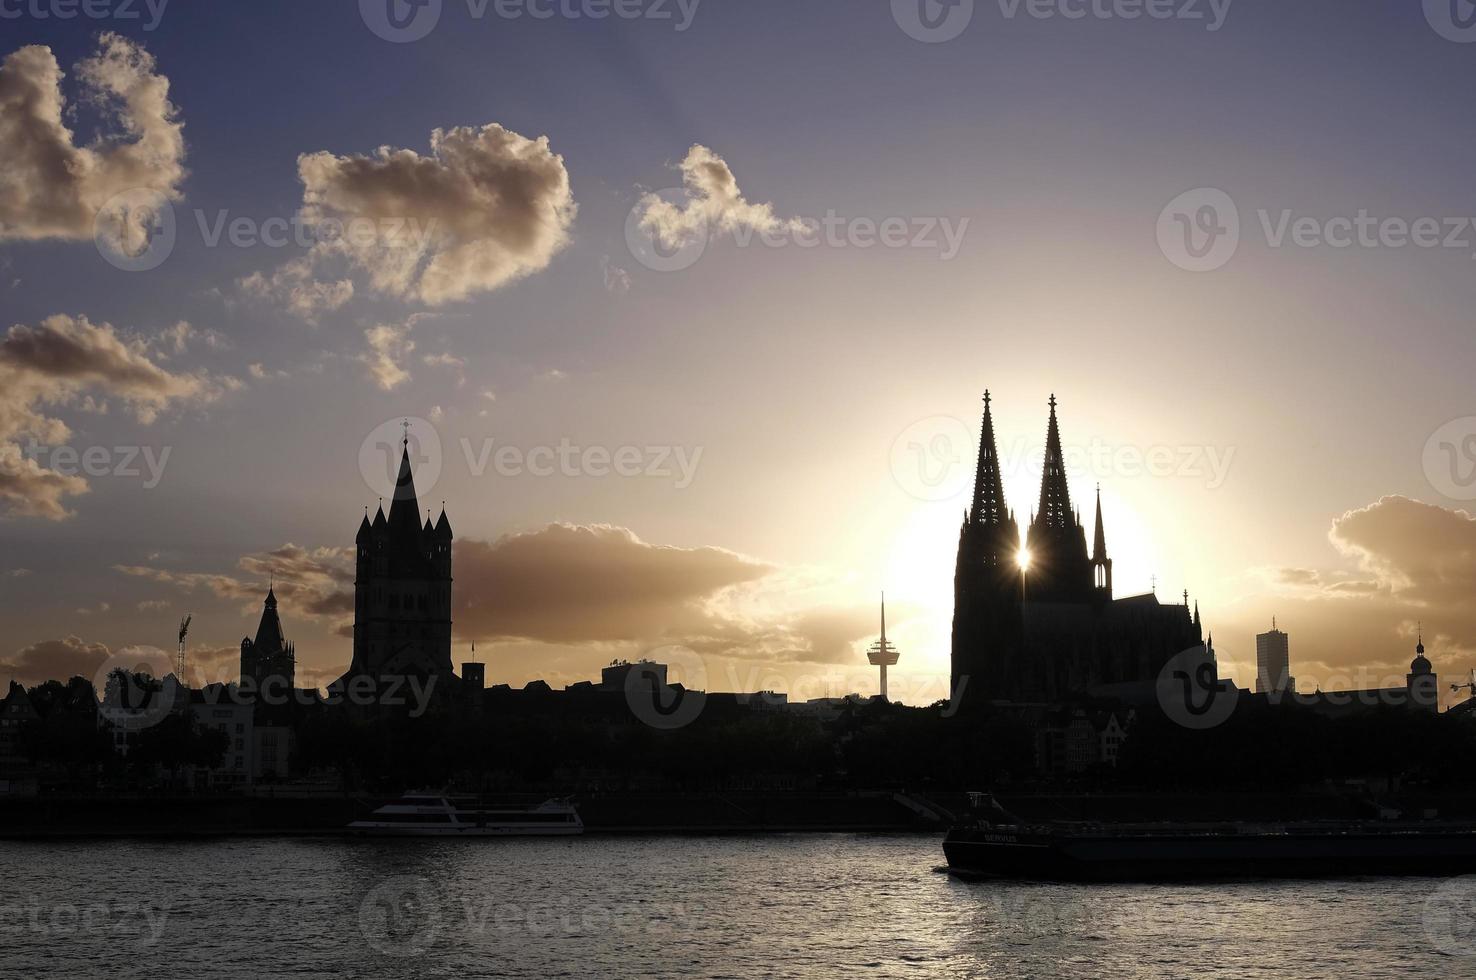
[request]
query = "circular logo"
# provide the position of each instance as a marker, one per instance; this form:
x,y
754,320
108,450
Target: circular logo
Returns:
x,y
649,247
1454,20
401,21
1191,693
1450,917
930,459
135,230
401,916
1450,458
650,692
382,451
1199,231
933,21
135,688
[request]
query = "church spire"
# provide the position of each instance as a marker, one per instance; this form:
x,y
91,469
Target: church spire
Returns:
x,y
989,502
404,512
1099,545
1055,496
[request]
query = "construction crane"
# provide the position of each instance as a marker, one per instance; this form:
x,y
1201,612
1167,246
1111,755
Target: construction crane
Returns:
x,y
179,657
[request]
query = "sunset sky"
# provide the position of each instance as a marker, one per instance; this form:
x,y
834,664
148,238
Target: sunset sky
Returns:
x,y
595,252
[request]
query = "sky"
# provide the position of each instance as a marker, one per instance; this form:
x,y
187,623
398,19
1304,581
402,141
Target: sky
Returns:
x,y
692,306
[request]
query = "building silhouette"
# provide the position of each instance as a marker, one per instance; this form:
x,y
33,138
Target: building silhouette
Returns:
x,y
1273,663
1040,624
402,588
270,659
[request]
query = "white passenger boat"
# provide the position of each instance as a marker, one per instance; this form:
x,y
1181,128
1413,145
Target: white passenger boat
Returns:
x,y
434,815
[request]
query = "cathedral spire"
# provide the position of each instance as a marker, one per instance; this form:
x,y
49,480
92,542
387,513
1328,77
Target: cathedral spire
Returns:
x,y
1099,544
989,502
1055,496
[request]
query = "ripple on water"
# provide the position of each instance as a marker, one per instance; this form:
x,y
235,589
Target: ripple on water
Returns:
x,y
787,906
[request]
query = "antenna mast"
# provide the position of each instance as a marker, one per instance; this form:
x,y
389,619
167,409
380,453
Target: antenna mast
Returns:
x,y
882,654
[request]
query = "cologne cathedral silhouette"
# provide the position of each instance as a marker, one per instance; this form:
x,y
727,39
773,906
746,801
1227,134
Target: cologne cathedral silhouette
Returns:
x,y
1042,625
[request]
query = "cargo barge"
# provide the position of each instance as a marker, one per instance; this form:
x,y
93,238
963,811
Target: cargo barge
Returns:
x,y
993,843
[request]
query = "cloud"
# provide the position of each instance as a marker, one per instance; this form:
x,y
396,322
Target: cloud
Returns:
x,y
55,660
452,363
485,208
389,346
617,280
563,587
314,582
178,339
1413,563
52,187
581,584
713,204
71,361
294,287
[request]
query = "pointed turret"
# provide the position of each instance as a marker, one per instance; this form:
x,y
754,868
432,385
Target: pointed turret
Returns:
x,y
269,636
989,501
365,529
380,522
1101,564
1055,495
1099,543
443,526
404,512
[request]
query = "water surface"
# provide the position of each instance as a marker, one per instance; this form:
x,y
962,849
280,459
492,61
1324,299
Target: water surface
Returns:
x,y
806,906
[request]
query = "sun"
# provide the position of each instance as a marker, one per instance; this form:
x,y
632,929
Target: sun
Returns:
x,y
1023,557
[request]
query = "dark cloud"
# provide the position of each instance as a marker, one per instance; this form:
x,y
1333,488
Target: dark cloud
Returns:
x,y
55,660
571,584
70,361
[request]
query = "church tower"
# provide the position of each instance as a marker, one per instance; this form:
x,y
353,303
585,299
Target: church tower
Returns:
x,y
1424,692
986,582
402,587
269,661
1058,568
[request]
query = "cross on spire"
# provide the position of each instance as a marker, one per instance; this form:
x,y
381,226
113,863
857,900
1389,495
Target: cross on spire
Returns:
x,y
406,426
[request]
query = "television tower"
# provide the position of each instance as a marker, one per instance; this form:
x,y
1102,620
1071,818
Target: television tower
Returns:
x,y
882,654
